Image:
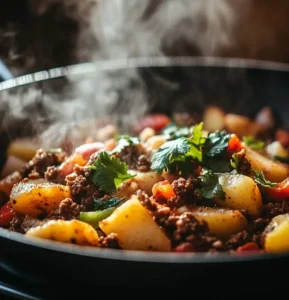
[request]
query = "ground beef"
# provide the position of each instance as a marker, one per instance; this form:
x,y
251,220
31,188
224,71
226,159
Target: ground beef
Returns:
x,y
67,210
15,224
143,163
244,166
146,201
52,174
135,157
273,209
41,161
238,239
109,241
185,193
83,190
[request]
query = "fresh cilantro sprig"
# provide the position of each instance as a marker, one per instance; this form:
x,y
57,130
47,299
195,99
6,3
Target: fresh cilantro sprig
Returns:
x,y
178,156
253,143
169,154
124,141
172,132
259,178
210,187
101,204
235,161
108,172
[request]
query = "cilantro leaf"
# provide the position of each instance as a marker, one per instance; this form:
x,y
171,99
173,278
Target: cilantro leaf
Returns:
x,y
235,161
171,151
101,204
196,142
282,159
253,143
124,141
216,143
210,187
259,178
172,132
109,172
215,152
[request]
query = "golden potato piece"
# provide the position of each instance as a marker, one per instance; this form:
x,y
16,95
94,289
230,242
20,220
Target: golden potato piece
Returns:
x,y
214,118
222,222
277,238
75,232
273,170
37,197
135,228
241,193
143,181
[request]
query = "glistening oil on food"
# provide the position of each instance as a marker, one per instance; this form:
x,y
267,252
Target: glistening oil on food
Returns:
x,y
172,184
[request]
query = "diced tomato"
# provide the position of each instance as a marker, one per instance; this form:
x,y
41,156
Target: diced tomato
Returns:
x,y
185,247
280,192
249,247
235,144
154,121
87,150
283,137
163,189
6,214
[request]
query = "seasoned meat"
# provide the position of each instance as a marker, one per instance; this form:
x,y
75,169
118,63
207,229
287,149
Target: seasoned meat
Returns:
x,y
109,241
83,190
41,161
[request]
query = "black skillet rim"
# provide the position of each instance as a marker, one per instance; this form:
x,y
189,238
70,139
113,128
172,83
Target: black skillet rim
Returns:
x,y
142,62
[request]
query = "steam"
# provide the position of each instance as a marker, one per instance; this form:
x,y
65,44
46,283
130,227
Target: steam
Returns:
x,y
112,29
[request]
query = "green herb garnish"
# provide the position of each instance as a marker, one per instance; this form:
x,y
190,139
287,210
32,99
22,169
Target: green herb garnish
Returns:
x,y
210,187
235,161
259,178
282,159
124,141
109,172
101,204
253,143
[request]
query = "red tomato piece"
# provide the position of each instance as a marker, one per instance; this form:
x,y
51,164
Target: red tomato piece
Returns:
x,y
280,192
163,189
249,247
235,144
154,121
6,214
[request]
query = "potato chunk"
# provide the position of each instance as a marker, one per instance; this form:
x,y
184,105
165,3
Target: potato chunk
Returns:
x,y
143,181
273,170
135,228
241,193
277,238
74,231
37,197
222,222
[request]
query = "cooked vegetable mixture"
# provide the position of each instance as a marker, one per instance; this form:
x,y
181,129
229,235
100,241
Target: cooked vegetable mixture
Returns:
x,y
175,185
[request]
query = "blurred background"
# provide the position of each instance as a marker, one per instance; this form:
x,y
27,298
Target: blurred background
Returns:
x,y
41,34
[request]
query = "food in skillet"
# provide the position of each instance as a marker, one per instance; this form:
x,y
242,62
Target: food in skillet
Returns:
x,y
177,185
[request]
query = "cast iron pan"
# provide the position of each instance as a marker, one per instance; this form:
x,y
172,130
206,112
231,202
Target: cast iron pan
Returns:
x,y
182,84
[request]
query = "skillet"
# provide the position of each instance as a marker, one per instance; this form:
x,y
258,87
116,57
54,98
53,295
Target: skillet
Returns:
x,y
168,84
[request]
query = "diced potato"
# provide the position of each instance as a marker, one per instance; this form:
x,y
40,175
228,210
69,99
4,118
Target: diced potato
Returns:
x,y
242,126
135,228
277,238
156,141
143,181
7,183
273,170
12,164
241,193
147,133
222,222
214,119
23,148
276,149
75,232
37,197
